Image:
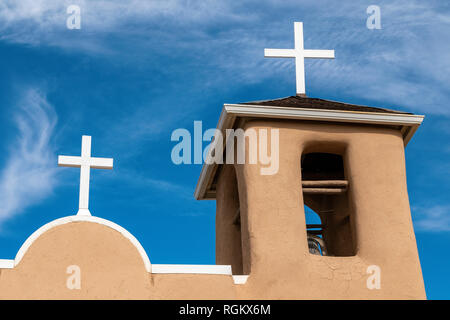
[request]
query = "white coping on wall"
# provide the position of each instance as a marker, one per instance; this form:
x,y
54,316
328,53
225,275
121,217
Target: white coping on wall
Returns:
x,y
193,269
6,264
70,219
230,112
198,269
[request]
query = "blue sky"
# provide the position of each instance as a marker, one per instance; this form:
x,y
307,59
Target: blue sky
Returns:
x,y
137,70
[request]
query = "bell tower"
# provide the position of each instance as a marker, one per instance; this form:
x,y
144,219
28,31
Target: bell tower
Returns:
x,y
305,157
345,163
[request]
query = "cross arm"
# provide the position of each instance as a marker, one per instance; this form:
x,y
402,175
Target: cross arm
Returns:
x,y
279,53
76,162
322,54
101,163
69,161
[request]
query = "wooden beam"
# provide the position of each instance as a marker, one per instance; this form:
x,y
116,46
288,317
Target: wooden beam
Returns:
x,y
325,183
324,190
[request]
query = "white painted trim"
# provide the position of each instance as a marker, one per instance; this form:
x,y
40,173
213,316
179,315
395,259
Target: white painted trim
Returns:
x,y
240,279
324,115
58,222
6,264
191,269
230,112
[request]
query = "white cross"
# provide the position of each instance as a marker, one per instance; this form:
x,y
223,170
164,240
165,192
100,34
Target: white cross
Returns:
x,y
85,162
299,53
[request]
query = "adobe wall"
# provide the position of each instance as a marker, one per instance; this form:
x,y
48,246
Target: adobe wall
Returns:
x,y
281,266
111,268
275,250
229,251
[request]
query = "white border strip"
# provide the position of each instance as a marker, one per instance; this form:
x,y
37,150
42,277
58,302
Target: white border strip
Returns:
x,y
324,115
26,245
191,269
6,264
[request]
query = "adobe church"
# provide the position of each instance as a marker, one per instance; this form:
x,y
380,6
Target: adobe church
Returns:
x,y
344,162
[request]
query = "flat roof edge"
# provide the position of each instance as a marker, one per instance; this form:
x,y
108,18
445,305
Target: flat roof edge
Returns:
x,y
231,111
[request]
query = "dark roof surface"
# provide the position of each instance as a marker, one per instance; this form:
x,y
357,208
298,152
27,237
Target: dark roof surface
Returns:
x,y
315,103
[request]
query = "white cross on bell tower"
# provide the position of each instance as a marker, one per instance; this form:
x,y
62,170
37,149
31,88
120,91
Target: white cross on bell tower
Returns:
x,y
299,53
85,163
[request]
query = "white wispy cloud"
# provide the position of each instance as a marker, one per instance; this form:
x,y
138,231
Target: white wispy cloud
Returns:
x,y
405,64
29,175
435,218
44,21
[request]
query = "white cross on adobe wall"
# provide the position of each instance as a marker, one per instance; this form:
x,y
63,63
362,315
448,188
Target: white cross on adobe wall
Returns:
x,y
85,163
299,53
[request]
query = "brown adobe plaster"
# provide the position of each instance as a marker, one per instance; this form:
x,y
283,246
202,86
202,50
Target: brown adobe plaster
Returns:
x,y
273,236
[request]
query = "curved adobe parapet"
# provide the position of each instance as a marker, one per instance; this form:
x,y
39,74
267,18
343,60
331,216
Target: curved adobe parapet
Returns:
x,y
58,222
85,257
